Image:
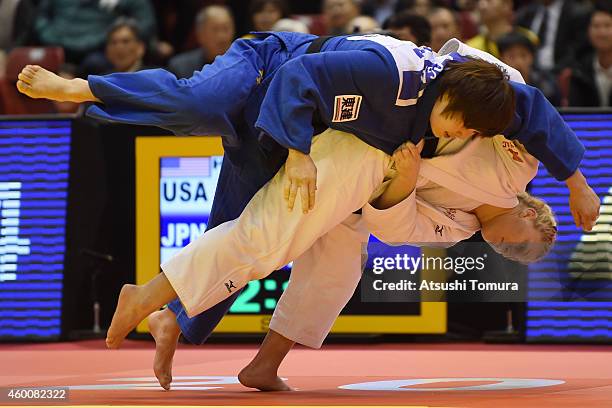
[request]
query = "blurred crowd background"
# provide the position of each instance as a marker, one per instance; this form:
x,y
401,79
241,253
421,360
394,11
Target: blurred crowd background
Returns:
x,y
563,47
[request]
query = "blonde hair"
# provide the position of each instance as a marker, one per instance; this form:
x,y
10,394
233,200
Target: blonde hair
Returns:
x,y
544,222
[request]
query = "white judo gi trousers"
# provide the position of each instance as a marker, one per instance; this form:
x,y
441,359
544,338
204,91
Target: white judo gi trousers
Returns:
x,y
267,235
323,280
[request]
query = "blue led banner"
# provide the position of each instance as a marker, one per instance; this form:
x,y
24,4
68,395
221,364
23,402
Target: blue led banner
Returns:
x,y
34,160
570,292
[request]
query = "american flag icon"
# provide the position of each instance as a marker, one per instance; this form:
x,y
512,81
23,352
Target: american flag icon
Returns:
x,y
186,166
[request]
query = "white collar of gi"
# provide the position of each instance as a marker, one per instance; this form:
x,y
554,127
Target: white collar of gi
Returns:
x,y
454,45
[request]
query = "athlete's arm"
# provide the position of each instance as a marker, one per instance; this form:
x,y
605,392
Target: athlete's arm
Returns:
x,y
407,159
545,135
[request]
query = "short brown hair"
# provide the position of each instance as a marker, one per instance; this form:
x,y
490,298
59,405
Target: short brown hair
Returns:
x,y
480,92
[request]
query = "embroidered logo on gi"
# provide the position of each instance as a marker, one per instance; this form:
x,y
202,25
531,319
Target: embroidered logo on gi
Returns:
x,y
260,76
439,229
450,213
511,148
346,108
229,285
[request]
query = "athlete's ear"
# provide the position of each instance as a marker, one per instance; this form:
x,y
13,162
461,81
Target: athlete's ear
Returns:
x,y
528,213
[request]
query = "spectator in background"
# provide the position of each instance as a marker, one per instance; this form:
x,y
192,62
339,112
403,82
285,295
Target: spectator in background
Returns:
x,y
517,49
444,26
265,13
294,26
339,13
16,21
591,80
80,27
560,26
496,21
3,62
362,24
468,17
176,20
125,46
215,32
408,26
420,7
380,10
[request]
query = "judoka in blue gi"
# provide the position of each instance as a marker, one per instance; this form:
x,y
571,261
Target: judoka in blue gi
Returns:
x,y
263,95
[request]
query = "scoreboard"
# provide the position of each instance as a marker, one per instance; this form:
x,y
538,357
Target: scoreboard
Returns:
x,y
187,187
34,165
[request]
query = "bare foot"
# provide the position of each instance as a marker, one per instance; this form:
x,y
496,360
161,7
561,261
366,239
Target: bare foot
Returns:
x,y
129,312
37,82
166,332
263,379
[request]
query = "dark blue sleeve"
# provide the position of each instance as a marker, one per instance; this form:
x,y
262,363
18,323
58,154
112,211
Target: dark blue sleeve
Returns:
x,y
544,133
311,82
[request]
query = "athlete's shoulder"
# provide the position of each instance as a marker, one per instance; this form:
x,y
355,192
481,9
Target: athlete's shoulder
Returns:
x,y
415,66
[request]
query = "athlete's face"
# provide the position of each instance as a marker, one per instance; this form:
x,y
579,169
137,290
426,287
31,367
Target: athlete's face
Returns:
x,y
513,227
514,232
444,125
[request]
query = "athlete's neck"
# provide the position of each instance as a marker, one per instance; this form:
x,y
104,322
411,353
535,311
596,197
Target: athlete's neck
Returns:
x,y
485,213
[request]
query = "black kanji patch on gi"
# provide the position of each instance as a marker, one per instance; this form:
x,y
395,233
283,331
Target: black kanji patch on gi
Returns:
x,y
346,108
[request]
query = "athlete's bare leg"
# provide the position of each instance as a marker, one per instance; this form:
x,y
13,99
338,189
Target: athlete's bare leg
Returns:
x,y
262,371
166,331
135,304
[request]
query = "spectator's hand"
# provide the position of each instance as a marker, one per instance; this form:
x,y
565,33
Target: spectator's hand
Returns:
x,y
301,174
164,50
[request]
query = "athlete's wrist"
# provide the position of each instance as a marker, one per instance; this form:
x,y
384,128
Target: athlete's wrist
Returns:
x,y
576,181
